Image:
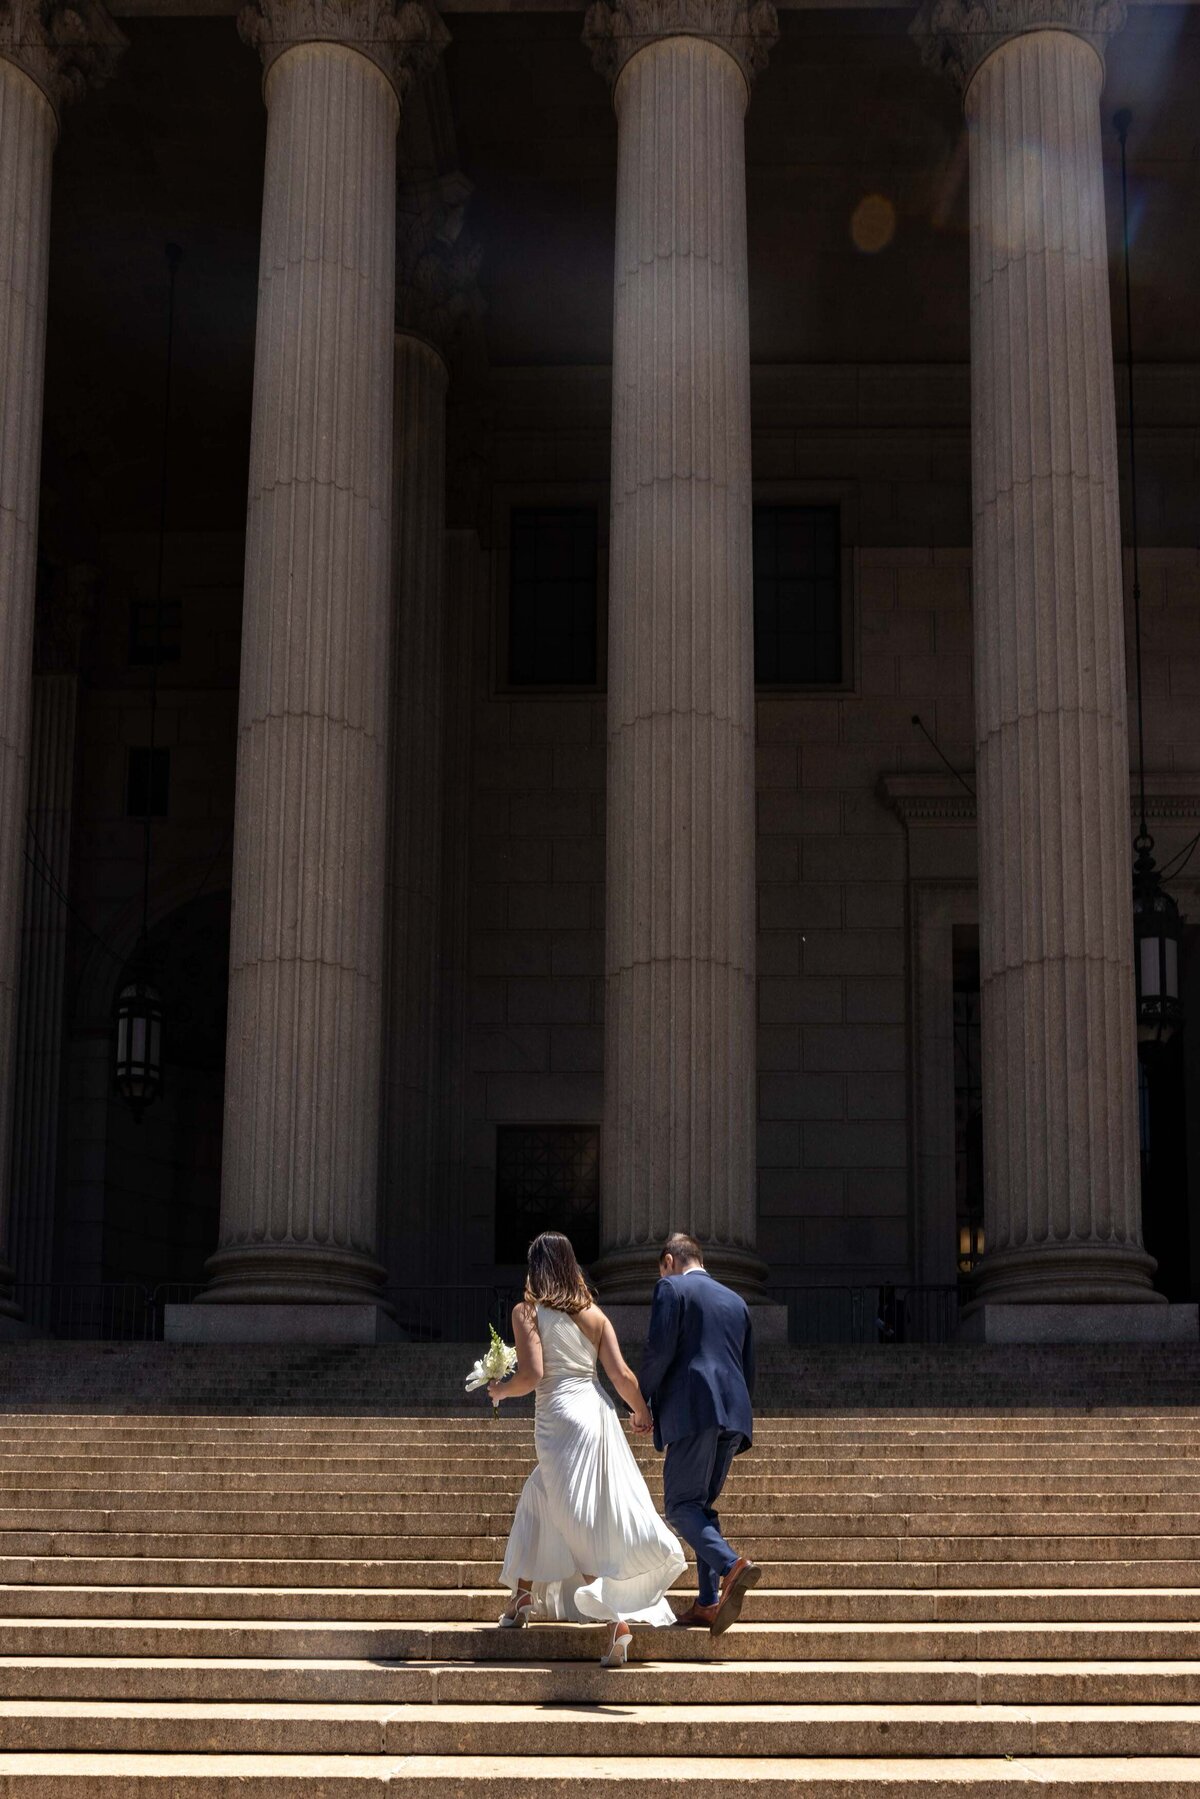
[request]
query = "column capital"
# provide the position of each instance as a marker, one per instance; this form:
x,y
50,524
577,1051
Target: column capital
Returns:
x,y
403,40
956,36
615,30
437,260
65,46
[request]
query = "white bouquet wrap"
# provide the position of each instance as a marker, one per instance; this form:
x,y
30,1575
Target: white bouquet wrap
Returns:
x,y
500,1360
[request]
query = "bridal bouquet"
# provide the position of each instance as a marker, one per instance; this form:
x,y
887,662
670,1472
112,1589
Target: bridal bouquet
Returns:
x,y
500,1360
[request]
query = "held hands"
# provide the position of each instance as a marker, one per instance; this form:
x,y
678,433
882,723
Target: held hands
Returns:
x,y
640,1421
497,1390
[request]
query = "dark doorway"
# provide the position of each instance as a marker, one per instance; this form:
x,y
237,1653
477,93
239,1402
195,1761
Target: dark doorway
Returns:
x,y
163,1175
1168,1096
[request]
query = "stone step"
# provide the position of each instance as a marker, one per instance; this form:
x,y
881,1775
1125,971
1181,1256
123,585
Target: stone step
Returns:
x,y
756,1638
886,1425
496,1441
850,1459
1141,1608
793,1545
34,1485
1151,1527
868,1469
282,1571
995,1453
211,1599
862,1431
99,1727
968,1422
32,1776
751,1503
231,1493
244,1681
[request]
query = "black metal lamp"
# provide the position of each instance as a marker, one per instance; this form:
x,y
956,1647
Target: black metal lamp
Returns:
x,y
139,1041
1157,926
970,1242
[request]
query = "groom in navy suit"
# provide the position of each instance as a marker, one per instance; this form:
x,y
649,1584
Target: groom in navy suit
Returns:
x,y
697,1377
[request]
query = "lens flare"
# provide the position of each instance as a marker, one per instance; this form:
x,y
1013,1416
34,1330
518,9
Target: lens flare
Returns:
x,y
873,225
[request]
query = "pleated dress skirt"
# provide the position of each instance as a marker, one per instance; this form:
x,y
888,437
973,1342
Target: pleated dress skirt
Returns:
x,y
586,1533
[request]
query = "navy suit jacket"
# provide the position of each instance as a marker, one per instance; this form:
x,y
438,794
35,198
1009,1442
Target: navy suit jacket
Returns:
x,y
698,1364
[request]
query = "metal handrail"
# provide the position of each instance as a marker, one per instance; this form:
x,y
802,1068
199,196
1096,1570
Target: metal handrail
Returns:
x,y
885,1312
88,1311
450,1314
132,1311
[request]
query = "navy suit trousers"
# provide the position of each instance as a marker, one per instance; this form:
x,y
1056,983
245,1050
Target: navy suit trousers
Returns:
x,y
694,1473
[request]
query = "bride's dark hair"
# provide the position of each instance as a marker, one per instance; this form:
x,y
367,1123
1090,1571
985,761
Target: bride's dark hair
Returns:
x,y
553,1277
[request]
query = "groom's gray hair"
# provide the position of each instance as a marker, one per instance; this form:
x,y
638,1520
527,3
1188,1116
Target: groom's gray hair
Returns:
x,y
683,1248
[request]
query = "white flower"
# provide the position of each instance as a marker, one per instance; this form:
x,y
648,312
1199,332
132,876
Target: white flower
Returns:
x,y
500,1360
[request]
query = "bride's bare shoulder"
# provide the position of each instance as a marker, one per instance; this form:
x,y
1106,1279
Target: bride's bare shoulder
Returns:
x,y
524,1314
591,1322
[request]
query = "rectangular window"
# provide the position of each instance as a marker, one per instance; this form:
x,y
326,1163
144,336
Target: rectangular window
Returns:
x,y
552,597
148,781
149,640
797,596
547,1179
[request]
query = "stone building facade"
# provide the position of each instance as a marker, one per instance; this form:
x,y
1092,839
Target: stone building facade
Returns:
x,y
653,748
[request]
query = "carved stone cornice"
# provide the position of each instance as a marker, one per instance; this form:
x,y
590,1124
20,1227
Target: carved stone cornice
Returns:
x,y
928,799
955,36
404,40
437,261
747,29
941,800
65,47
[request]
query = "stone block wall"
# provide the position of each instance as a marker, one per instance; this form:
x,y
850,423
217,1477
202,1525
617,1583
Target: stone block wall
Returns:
x,y
837,1120
838,1160
834,1153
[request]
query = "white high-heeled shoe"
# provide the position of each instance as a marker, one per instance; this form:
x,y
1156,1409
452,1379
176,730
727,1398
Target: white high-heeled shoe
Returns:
x,y
515,1616
618,1649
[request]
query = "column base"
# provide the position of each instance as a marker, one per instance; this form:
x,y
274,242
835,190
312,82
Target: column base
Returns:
x,y
1067,1274
296,1274
629,1276
345,1323
632,1322
1080,1324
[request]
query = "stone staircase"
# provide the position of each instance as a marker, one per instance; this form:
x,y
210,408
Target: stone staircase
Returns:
x,y
282,1582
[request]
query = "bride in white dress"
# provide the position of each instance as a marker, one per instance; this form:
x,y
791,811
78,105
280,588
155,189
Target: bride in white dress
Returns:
x,y
586,1542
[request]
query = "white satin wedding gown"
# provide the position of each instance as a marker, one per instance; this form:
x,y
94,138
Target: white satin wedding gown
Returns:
x,y
585,1509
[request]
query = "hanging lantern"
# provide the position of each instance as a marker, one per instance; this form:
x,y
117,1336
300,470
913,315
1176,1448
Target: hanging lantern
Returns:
x,y
970,1242
139,1043
1156,932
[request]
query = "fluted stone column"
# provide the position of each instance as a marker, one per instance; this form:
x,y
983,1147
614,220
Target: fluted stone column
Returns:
x,y
679,1110
1059,1110
49,53
298,1203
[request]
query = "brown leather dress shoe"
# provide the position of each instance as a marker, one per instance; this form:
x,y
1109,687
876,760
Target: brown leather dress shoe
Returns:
x,y
697,1616
736,1584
